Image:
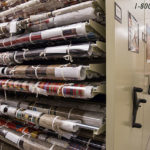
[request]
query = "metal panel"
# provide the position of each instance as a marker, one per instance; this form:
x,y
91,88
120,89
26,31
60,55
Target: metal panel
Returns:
x,y
146,118
125,70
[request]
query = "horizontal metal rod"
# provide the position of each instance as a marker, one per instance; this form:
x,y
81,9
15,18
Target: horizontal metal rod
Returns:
x,y
84,126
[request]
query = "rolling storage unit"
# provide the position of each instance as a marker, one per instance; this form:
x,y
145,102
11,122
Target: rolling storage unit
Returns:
x,y
75,75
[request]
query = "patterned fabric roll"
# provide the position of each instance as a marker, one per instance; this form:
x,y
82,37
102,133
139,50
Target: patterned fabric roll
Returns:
x,y
25,142
39,134
49,88
35,6
67,52
6,4
33,133
88,117
53,72
56,123
62,34
16,27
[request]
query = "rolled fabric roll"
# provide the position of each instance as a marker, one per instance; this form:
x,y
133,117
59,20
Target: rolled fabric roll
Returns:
x,y
33,133
53,72
6,4
54,89
72,8
87,117
65,19
43,136
66,52
25,142
16,27
34,144
55,123
11,111
31,7
60,34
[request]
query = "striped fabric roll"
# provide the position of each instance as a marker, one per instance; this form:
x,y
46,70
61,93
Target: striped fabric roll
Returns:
x,y
60,20
35,6
61,34
34,133
25,142
52,72
58,124
53,89
91,118
7,4
65,52
50,138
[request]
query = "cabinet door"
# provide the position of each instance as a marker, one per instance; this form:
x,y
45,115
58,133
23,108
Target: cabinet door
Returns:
x,y
125,69
146,112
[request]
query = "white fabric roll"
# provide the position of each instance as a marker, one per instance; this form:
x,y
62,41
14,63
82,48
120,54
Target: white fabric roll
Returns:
x,y
57,49
72,8
69,126
76,16
13,137
72,73
11,111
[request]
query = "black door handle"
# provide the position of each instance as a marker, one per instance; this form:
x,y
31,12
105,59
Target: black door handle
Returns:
x,y
136,105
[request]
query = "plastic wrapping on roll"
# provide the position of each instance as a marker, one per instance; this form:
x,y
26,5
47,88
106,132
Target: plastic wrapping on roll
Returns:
x,y
16,27
53,72
52,138
53,122
65,19
56,122
43,103
72,32
92,118
53,89
87,117
7,4
34,144
34,6
66,52
25,142
33,133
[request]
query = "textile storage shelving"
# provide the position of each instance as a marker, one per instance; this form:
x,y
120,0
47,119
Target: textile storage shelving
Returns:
x,y
53,74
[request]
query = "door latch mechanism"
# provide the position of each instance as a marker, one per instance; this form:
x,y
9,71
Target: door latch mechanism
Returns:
x,y
136,105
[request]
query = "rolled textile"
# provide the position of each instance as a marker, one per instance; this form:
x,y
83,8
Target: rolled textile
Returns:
x,y
55,123
35,6
34,144
67,52
33,133
62,34
54,89
25,142
88,117
15,27
91,118
4,145
65,19
65,10
53,72
44,103
7,4
50,137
